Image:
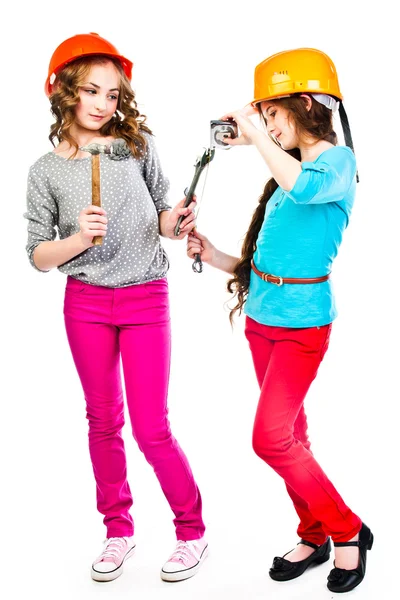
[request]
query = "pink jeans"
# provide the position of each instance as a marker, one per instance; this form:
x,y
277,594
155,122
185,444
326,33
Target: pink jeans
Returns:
x,y
104,325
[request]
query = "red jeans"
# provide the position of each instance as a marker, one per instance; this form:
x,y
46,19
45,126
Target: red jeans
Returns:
x,y
286,362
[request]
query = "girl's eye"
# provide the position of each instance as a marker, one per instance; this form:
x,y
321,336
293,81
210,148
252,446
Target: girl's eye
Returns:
x,y
93,92
273,113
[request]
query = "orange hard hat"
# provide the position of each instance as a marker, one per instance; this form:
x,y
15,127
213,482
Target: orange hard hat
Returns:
x,y
295,71
83,44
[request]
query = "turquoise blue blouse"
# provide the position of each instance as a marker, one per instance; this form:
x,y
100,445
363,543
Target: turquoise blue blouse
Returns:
x,y
300,237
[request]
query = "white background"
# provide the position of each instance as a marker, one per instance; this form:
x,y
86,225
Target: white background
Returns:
x,y
194,61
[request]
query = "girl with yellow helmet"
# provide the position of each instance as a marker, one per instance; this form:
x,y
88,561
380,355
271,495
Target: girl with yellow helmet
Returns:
x,y
282,283
116,300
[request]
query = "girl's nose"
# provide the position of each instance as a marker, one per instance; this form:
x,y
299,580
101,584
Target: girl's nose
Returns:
x,y
100,103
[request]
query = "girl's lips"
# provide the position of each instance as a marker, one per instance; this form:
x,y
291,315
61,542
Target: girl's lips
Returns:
x,y
98,117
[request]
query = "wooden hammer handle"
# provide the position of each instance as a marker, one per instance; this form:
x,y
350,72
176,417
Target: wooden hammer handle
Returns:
x,y
96,198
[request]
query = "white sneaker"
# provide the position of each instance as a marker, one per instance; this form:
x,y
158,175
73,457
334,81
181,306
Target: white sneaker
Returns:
x,y
109,565
185,561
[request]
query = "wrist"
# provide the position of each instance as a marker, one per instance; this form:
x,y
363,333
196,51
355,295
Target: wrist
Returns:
x,y
224,262
215,258
80,243
165,229
260,139
168,233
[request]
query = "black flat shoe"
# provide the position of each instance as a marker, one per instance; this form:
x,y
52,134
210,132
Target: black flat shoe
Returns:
x,y
344,580
283,570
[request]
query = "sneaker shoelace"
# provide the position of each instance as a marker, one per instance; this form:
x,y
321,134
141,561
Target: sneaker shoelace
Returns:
x,y
184,551
113,549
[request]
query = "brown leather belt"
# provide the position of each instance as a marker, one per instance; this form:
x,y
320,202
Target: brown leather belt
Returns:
x,y
281,280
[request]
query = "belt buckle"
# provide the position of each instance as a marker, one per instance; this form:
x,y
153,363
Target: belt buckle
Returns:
x,y
278,283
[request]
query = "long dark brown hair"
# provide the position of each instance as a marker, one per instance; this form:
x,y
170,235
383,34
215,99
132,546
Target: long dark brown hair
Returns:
x,y
316,123
126,123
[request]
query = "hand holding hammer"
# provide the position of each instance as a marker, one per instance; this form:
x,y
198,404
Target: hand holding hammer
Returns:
x,y
95,150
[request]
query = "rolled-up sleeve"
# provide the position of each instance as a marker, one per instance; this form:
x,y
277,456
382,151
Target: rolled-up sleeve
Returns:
x,y
41,213
157,183
326,180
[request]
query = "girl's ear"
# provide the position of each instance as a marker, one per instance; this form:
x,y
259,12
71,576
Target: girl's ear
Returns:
x,y
307,101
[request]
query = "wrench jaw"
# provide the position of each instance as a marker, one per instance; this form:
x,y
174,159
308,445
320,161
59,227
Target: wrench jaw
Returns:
x,y
197,265
203,160
207,157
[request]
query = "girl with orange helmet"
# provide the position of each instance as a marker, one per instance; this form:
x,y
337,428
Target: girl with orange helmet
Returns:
x,y
116,299
282,283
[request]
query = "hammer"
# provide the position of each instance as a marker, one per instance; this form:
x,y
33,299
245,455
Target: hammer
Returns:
x,y
95,150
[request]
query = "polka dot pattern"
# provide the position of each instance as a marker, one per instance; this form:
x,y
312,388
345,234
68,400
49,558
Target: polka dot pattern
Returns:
x,y
133,192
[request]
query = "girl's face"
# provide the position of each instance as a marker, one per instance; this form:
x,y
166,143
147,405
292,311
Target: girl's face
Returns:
x,y
98,97
279,125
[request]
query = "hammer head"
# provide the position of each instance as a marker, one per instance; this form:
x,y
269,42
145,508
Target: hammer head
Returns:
x,y
118,149
95,148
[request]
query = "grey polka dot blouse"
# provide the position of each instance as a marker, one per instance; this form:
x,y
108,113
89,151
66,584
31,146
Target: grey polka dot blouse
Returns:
x,y
133,193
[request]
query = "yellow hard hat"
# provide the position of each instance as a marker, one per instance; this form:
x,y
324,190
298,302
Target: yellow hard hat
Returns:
x,y
300,71
295,71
